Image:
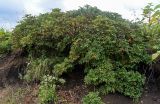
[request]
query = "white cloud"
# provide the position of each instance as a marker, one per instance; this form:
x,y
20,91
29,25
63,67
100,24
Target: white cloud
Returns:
x,y
40,6
7,24
32,7
129,9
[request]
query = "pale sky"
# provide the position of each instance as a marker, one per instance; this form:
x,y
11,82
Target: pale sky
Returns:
x,y
12,11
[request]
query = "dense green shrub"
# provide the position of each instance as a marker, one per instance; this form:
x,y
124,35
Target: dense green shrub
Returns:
x,y
104,43
129,83
92,98
5,41
104,75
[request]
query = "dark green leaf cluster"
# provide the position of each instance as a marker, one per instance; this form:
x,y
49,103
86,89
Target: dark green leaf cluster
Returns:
x,y
129,83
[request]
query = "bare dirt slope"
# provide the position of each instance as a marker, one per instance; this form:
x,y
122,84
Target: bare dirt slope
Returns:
x,y
11,65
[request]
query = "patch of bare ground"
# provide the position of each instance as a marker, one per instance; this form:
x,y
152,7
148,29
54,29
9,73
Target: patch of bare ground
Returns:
x,y
19,94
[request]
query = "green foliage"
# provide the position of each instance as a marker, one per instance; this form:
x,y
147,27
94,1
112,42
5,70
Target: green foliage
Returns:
x,y
151,33
152,13
104,75
5,41
38,67
103,42
92,98
130,83
91,12
147,12
151,30
59,69
47,90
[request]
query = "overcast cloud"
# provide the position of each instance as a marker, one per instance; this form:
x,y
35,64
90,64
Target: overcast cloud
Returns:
x,y
12,11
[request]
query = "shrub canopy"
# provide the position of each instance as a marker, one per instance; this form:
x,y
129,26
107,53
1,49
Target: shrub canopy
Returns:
x,y
109,47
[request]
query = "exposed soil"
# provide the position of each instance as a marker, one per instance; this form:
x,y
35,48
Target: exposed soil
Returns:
x,y
19,93
74,89
70,93
10,66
